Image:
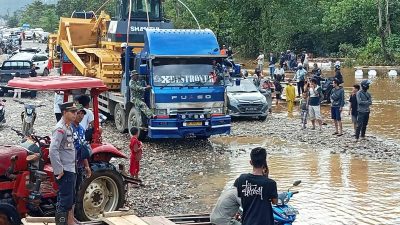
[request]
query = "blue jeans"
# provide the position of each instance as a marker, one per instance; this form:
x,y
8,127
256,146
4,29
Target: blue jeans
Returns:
x,y
66,192
271,71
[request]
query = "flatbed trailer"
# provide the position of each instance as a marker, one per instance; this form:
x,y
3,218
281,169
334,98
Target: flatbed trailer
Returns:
x,y
128,218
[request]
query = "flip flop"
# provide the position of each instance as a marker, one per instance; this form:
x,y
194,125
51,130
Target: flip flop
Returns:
x,y
336,133
339,135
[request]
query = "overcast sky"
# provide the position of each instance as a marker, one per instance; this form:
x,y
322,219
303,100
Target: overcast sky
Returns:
x,y
12,5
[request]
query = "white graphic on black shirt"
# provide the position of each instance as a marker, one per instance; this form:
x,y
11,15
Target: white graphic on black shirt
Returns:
x,y
251,190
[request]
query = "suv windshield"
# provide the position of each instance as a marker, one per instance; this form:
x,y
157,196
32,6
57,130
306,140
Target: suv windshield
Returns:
x,y
185,72
245,86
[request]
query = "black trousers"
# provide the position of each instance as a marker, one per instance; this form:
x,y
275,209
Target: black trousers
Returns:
x,y
362,122
300,87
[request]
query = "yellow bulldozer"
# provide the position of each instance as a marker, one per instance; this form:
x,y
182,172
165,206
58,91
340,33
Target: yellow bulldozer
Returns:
x,y
90,45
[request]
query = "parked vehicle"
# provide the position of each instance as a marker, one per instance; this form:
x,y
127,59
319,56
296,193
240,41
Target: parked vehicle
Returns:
x,y
40,61
245,100
28,35
28,117
2,111
185,102
27,185
11,69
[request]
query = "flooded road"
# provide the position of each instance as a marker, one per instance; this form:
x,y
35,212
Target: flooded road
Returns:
x,y
385,111
335,188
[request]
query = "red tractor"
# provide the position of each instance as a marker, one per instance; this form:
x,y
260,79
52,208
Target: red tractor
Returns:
x,y
27,185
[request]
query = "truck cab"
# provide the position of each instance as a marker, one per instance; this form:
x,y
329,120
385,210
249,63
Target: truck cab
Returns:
x,y
187,95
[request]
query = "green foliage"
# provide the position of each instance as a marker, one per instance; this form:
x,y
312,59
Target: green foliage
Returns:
x,y
13,20
342,28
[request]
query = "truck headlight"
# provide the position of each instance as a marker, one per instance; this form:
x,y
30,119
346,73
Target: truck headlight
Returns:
x,y
162,112
216,110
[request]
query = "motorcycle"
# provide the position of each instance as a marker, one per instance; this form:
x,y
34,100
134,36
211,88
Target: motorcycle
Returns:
x,y
2,111
28,117
327,86
285,214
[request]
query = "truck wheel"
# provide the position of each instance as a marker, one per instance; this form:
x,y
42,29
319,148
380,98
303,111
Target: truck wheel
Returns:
x,y
135,120
102,192
120,118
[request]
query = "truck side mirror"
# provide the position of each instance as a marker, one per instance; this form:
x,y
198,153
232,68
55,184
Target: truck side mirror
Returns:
x,y
143,69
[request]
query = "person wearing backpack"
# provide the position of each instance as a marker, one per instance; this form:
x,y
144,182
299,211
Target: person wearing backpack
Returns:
x,y
314,106
300,77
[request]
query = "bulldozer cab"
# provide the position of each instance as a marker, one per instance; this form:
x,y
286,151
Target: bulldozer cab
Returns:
x,y
140,10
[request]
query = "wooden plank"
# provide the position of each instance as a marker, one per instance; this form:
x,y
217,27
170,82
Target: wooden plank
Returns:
x,y
134,220
40,219
157,220
117,213
116,221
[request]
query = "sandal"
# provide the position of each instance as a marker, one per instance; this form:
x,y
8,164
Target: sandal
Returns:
x,y
336,133
340,134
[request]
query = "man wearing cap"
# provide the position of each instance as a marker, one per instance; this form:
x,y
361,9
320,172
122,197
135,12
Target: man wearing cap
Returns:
x,y
63,160
137,94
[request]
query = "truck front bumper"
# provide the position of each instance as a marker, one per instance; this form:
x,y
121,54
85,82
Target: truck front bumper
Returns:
x,y
180,128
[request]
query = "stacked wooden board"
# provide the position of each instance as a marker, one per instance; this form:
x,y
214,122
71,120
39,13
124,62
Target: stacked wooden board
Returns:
x,y
128,218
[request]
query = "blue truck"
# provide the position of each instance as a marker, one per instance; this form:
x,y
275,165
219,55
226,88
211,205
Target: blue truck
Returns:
x,y
187,95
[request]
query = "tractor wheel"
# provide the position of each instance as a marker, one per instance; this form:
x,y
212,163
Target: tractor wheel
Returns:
x,y
120,118
135,120
4,219
46,72
102,192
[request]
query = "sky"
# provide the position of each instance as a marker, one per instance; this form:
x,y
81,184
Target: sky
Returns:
x,y
12,5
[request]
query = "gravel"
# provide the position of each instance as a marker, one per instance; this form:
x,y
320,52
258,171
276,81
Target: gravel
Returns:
x,y
170,168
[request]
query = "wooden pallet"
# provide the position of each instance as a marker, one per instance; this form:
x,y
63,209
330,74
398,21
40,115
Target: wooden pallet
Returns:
x,y
128,218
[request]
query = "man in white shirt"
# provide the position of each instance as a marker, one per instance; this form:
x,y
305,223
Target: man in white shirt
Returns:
x,y
279,73
87,121
260,61
58,100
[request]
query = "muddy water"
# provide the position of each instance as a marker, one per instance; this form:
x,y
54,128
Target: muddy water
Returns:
x,y
335,189
385,111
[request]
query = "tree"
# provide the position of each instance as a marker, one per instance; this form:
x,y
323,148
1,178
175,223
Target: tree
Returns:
x,y
13,20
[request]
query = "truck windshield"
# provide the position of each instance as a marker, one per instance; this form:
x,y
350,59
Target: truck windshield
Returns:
x,y
185,72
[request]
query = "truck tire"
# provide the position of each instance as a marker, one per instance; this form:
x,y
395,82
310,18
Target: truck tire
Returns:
x,y
120,118
104,191
135,120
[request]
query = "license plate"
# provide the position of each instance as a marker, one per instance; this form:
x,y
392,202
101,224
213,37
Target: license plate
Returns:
x,y
291,211
251,109
197,123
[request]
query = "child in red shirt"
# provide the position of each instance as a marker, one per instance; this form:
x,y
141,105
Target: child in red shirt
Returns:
x,y
136,153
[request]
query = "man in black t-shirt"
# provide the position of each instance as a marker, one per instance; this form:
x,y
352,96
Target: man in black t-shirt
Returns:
x,y
257,191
